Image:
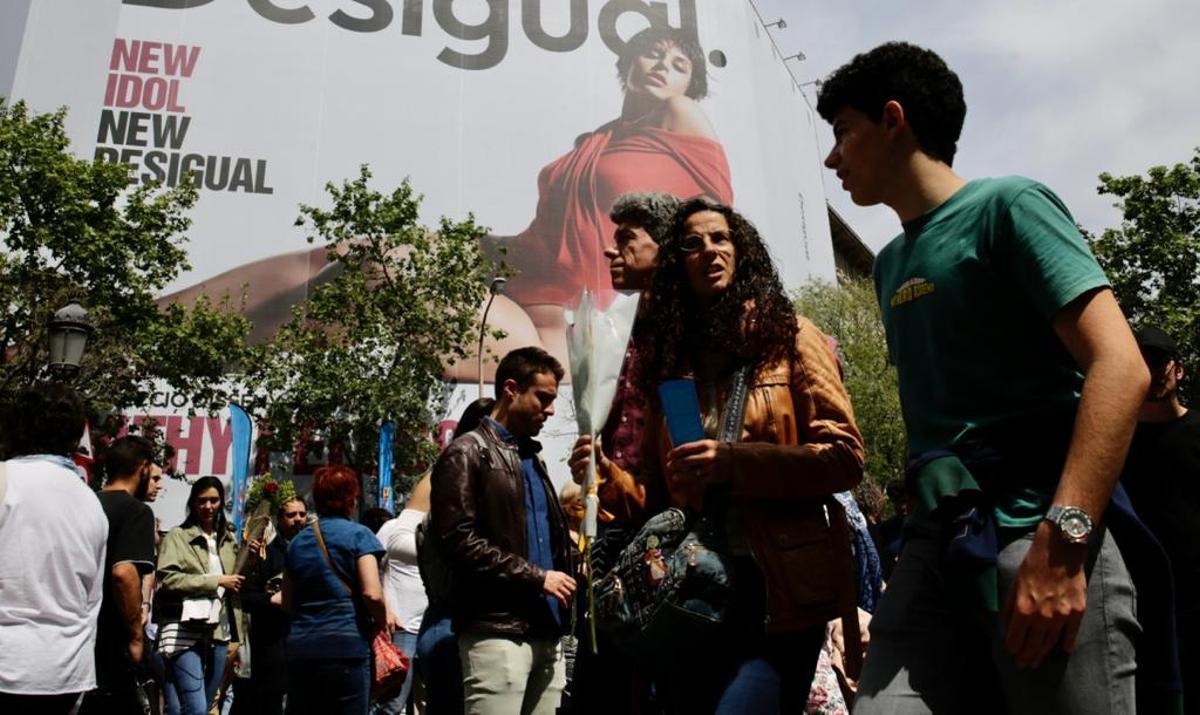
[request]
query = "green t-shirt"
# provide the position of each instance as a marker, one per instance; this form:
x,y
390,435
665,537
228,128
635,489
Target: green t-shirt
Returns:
x,y
968,295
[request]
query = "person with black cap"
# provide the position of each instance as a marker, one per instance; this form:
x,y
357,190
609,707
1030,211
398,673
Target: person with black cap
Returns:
x,y
1162,477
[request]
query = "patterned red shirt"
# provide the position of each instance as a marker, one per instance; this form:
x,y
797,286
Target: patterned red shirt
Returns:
x,y
621,438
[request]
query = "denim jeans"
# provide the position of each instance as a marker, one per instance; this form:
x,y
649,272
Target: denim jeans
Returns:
x,y
337,686
749,671
439,665
759,675
406,642
193,676
929,656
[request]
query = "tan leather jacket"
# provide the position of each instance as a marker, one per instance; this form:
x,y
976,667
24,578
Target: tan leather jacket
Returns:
x,y
799,446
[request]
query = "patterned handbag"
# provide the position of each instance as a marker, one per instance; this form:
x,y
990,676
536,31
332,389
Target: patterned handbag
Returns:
x,y
669,592
667,596
389,667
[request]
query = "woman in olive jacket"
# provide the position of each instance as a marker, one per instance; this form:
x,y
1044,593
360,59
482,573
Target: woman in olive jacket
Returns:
x,y
197,607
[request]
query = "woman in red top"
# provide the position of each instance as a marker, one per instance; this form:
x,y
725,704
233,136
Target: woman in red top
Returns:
x,y
662,141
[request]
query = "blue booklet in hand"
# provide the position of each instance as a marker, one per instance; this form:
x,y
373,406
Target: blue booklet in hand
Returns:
x,y
681,406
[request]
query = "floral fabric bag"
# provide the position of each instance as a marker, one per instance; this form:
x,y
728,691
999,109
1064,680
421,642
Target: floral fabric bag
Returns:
x,y
669,592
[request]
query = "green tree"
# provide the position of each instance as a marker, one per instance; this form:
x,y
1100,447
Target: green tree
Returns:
x,y
1153,259
850,313
370,342
72,229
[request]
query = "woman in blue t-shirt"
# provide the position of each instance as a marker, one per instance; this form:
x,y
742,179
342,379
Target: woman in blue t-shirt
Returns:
x,y
329,644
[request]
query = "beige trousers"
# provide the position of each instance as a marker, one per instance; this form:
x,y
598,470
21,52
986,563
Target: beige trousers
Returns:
x,y
505,676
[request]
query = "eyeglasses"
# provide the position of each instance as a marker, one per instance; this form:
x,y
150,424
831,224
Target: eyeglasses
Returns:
x,y
695,242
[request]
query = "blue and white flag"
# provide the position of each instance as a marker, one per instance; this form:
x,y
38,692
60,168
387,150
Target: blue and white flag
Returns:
x,y
387,437
243,430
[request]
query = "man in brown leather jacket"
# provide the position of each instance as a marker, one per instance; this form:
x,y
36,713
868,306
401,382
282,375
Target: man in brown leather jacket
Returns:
x,y
503,535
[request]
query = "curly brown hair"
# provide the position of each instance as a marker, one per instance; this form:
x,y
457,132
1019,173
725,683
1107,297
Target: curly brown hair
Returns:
x,y
753,318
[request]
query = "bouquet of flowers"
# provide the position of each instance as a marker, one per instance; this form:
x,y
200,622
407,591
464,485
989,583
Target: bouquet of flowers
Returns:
x,y
265,497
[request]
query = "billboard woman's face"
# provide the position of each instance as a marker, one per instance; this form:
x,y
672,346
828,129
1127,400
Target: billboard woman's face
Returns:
x,y
663,71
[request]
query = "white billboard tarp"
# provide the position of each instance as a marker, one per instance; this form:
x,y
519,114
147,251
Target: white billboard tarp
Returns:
x,y
510,109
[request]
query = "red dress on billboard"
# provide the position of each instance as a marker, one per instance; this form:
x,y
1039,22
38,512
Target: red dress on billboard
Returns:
x,y
562,251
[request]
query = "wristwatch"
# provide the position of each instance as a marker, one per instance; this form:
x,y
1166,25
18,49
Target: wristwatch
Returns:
x,y
1073,523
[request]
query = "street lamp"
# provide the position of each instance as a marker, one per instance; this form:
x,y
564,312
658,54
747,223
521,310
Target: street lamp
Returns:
x,y
496,286
69,333
798,56
780,23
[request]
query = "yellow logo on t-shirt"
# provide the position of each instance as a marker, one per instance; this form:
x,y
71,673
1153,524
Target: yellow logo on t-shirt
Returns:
x,y
910,290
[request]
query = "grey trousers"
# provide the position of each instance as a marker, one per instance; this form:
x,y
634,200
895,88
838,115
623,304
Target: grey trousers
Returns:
x,y
504,676
924,657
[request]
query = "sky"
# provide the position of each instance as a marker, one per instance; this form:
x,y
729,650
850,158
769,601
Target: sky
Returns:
x,y
1057,91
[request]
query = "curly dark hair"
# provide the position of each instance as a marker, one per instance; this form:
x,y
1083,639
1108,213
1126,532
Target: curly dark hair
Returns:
x,y
928,90
47,418
652,37
753,318
869,497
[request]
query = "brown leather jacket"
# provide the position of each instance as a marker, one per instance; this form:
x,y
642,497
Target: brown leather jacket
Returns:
x,y
477,516
799,446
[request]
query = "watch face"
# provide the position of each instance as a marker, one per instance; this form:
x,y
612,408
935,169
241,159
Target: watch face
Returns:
x,y
1075,524
1075,528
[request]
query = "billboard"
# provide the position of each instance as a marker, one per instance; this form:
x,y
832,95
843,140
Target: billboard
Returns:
x,y
532,114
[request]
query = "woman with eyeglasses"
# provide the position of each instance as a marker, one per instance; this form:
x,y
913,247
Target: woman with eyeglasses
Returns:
x,y
197,606
718,310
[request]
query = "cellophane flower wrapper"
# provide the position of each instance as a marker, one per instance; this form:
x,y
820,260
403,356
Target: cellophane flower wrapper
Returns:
x,y
598,331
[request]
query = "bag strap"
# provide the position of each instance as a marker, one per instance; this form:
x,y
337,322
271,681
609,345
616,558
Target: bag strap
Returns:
x,y
324,550
734,413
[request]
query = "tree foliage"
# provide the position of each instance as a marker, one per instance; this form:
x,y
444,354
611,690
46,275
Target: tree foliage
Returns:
x,y
1153,259
369,343
72,229
849,312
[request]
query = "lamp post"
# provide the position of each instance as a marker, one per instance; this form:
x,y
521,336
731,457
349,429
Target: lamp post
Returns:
x,y
780,23
69,332
494,288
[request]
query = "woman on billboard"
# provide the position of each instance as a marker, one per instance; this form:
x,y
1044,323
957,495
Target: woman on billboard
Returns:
x,y
662,141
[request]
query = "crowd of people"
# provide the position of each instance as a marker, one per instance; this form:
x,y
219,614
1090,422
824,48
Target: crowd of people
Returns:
x,y
1035,562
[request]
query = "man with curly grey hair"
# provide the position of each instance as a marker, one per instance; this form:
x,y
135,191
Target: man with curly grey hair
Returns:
x,y
642,220
605,681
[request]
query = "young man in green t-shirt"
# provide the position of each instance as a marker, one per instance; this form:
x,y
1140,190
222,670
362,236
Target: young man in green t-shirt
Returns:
x,y
1014,358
